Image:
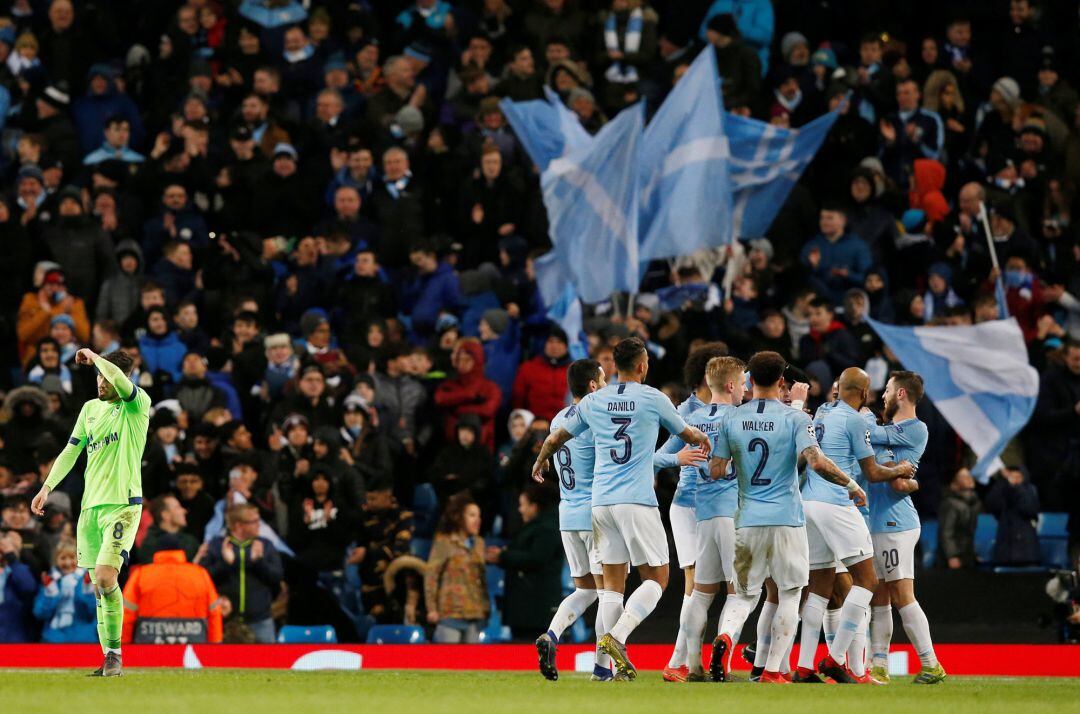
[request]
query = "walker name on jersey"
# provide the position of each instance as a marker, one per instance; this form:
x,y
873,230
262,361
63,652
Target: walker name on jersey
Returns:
x,y
101,443
751,425
621,406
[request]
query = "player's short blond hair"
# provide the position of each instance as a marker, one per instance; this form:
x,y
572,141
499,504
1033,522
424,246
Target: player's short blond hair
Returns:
x,y
720,370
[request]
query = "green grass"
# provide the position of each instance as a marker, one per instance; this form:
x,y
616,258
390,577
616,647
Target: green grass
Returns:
x,y
265,692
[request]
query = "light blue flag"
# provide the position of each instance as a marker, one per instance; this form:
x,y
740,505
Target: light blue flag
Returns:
x,y
546,129
977,376
561,301
591,196
766,162
686,201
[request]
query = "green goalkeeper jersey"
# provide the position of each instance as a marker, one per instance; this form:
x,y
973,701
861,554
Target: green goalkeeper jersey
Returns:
x,y
114,436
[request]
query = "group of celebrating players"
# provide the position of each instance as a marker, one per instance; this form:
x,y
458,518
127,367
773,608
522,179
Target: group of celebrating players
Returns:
x,y
834,547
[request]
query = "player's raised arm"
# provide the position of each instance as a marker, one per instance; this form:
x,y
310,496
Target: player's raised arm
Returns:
x,y
61,466
828,470
112,374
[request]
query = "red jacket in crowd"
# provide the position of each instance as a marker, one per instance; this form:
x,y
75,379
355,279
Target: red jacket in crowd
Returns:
x,y
540,386
470,392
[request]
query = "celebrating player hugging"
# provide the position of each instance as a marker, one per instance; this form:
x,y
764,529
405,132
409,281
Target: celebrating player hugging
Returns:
x,y
741,517
112,429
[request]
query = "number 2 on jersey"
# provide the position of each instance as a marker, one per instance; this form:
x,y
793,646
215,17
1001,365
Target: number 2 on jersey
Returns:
x,y
566,472
753,446
621,435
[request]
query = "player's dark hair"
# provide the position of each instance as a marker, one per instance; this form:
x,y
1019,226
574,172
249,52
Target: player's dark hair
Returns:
x,y
453,518
694,369
766,368
122,360
822,302
628,353
910,381
579,374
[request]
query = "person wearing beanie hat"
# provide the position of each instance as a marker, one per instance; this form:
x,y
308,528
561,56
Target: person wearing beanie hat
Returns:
x,y
754,21
540,385
795,49
1007,90
910,133
500,335
739,64
55,127
939,297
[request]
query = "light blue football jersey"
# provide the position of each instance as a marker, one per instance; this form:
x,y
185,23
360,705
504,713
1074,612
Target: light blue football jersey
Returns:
x,y
667,457
712,499
892,512
845,438
625,420
574,466
764,438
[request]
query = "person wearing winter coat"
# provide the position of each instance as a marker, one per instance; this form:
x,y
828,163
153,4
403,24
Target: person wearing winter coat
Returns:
x,y
17,589
464,463
79,245
501,336
66,603
172,587
247,569
160,348
455,589
837,259
196,394
829,341
38,308
540,385
533,566
1014,501
755,22
367,446
434,290
469,392
101,102
958,514
868,218
318,527
119,294
399,397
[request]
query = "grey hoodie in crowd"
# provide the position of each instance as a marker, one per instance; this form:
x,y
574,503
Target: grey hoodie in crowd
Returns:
x,y
119,296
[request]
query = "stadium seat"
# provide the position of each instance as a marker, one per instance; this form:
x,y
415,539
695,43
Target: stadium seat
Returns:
x,y
425,509
1054,552
307,635
496,581
985,536
1053,525
396,635
928,543
420,547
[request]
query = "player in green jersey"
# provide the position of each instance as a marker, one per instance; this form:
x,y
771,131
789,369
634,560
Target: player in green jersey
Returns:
x,y
112,429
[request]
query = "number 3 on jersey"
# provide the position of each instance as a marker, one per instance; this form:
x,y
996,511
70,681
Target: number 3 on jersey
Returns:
x,y
763,446
566,472
621,435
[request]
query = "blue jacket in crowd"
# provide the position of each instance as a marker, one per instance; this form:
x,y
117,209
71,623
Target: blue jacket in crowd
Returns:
x,y
17,588
68,608
428,295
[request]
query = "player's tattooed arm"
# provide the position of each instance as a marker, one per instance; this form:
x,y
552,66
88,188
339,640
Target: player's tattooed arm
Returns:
x,y
828,470
552,443
718,466
880,472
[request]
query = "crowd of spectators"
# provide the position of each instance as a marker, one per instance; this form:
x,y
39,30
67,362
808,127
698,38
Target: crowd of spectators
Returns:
x,y
313,229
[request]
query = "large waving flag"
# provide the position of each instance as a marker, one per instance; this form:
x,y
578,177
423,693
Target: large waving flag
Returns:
x,y
686,196
978,377
546,129
561,301
591,195
766,162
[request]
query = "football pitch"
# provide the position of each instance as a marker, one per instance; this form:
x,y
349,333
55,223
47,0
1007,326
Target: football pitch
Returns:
x,y
267,691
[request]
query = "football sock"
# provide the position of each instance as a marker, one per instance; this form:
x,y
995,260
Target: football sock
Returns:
x,y
813,612
856,652
881,627
784,622
100,612
917,628
692,626
637,608
570,609
602,658
736,610
785,663
678,655
852,618
112,607
764,632
829,624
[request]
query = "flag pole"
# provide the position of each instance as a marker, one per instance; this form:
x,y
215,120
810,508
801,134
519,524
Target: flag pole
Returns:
x,y
630,306
984,219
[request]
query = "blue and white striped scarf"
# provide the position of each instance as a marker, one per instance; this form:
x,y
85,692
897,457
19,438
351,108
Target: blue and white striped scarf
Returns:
x,y
618,72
